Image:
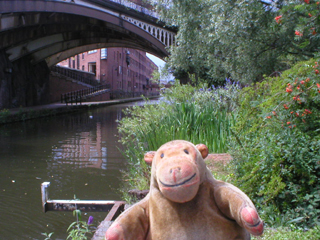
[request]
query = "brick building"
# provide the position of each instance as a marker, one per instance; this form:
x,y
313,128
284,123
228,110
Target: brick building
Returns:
x,y
126,70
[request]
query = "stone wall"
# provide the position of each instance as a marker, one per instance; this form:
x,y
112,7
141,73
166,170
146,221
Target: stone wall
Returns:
x,y
60,84
23,84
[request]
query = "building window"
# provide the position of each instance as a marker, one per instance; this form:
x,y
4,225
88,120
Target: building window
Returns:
x,y
82,67
83,56
104,53
92,67
78,61
92,51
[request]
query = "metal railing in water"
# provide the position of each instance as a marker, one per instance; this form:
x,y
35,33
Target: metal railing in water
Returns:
x,y
79,96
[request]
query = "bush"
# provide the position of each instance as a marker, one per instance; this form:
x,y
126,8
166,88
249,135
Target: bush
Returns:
x,y
276,143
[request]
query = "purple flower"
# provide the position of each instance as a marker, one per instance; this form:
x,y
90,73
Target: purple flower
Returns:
x,y
90,220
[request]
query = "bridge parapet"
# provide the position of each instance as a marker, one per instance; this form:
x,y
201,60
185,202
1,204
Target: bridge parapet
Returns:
x,y
163,35
137,7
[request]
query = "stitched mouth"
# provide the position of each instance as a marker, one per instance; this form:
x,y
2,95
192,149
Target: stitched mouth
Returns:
x,y
179,184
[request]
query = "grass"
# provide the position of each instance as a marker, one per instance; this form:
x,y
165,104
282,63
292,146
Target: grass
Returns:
x,y
287,234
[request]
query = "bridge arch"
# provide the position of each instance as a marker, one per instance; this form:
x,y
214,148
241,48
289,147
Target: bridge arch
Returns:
x,y
56,29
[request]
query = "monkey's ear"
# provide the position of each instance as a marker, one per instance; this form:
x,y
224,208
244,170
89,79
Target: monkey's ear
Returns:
x,y
203,149
148,157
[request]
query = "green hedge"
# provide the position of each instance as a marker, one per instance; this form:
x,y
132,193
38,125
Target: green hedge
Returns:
x,y
276,145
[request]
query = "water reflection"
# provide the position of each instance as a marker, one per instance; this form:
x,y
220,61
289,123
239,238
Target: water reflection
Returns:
x,y
83,150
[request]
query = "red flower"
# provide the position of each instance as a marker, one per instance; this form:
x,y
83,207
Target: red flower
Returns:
x,y
285,106
302,82
288,123
274,113
316,71
318,85
308,79
309,14
268,117
307,1
298,33
307,111
297,114
288,90
278,18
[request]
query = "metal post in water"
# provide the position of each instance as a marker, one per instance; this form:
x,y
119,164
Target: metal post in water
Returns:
x,y
84,205
44,194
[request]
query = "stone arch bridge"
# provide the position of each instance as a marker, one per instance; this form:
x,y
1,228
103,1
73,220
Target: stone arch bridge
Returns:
x,y
36,34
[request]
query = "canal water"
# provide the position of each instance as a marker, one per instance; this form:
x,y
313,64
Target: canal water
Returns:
x,y
78,154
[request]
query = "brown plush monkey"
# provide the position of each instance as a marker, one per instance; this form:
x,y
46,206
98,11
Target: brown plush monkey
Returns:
x,y
185,202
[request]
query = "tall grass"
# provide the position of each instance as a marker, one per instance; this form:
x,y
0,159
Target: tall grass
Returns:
x,y
196,115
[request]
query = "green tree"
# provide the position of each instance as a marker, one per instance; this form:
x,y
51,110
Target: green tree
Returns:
x,y
237,39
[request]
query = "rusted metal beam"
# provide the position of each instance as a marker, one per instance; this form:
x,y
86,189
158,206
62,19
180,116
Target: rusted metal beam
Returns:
x,y
115,211
83,205
115,207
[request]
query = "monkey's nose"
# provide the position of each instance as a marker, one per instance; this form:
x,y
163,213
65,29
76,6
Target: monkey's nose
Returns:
x,y
175,170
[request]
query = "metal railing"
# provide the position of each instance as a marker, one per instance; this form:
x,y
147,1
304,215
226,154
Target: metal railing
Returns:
x,y
136,7
77,75
79,96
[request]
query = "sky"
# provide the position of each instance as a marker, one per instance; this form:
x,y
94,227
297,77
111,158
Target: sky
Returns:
x,y
159,62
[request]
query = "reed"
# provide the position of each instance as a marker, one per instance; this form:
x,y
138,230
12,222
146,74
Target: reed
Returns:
x,y
198,116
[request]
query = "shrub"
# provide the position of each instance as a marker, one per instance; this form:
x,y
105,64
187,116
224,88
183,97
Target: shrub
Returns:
x,y
276,143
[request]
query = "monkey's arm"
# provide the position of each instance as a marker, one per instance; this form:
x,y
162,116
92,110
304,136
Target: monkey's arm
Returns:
x,y
236,205
132,224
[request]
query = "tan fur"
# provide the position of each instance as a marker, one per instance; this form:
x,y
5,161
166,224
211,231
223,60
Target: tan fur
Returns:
x,y
217,211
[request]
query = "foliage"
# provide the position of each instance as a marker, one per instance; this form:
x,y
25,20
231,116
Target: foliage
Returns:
x,y
202,115
4,114
276,144
155,76
78,230
287,234
47,235
303,16
239,39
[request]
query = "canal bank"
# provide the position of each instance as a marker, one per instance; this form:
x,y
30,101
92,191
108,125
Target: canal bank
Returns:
x,y
26,113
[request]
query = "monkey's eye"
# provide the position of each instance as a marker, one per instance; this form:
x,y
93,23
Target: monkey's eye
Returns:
x,y
162,155
186,151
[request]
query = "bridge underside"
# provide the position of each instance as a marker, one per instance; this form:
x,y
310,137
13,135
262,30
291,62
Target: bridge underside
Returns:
x,y
34,32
